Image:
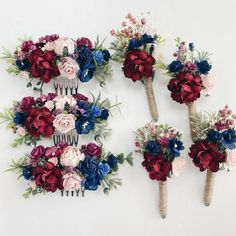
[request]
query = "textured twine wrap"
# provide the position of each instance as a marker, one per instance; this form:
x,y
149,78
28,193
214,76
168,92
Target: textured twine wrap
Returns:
x,y
155,116
192,110
209,186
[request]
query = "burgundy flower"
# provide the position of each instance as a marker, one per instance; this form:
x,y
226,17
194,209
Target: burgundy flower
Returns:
x,y
26,103
37,152
138,64
186,87
157,167
92,149
42,65
84,42
48,177
52,152
80,96
206,156
39,121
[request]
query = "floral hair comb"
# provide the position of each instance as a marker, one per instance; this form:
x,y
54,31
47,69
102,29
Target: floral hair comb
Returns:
x,y
190,76
62,116
214,145
59,58
69,169
161,146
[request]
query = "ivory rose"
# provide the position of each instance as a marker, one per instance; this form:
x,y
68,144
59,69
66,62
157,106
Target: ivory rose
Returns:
x,y
64,123
63,43
71,181
61,100
178,166
71,156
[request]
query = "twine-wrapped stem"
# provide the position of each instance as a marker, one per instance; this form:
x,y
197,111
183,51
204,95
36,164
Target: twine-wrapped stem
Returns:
x,y
209,187
163,198
192,110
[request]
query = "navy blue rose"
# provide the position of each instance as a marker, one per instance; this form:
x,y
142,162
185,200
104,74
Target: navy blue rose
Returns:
x,y
112,161
104,114
23,64
103,169
96,111
134,43
89,167
153,147
98,56
92,183
106,55
19,118
203,67
84,57
175,66
27,172
84,108
191,46
146,39
214,135
86,72
229,139
84,126
175,146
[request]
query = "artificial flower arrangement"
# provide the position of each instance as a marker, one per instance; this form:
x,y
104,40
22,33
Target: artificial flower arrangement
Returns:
x,y
51,114
134,47
71,169
214,145
190,75
53,57
161,147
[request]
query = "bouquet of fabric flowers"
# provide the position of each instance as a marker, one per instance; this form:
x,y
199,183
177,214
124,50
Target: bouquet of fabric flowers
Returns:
x,y
67,168
214,145
53,56
161,147
50,114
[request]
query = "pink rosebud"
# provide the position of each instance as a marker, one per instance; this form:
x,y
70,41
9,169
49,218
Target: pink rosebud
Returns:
x,y
230,162
129,16
113,32
143,21
21,131
137,144
124,23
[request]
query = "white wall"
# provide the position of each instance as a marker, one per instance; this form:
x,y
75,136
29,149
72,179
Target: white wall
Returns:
x,y
133,209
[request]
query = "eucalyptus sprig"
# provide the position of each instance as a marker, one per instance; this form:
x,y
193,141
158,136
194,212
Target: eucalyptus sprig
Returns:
x,y
7,117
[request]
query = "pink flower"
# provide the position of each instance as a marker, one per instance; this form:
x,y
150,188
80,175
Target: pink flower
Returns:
x,y
71,156
71,181
178,165
51,152
49,105
230,159
208,84
64,123
53,160
37,152
68,68
32,184
61,100
25,75
21,131
63,43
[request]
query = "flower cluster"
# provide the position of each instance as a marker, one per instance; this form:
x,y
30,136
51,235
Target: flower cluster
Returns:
x,y
161,146
63,167
34,118
52,56
190,73
134,46
216,148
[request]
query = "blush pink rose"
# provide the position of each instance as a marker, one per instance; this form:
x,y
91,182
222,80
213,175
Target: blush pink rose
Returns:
x,y
71,156
63,43
71,181
230,162
61,100
49,105
68,68
53,160
178,166
21,131
64,123
208,84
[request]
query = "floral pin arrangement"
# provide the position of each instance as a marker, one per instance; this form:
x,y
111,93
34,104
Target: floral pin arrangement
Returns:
x,y
190,75
54,56
214,145
161,147
134,46
69,169
50,114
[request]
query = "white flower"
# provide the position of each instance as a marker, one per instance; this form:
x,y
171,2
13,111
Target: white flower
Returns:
x,y
63,43
230,159
208,83
49,105
61,100
64,123
71,156
178,165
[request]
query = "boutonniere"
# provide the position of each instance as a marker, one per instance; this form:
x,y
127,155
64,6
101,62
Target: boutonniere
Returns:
x,y
58,116
161,147
62,59
214,146
69,169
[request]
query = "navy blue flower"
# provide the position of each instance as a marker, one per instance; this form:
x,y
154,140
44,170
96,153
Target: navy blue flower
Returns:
x,y
98,56
85,56
229,137
153,147
84,108
103,169
175,66
84,126
89,167
214,135
146,39
106,55
175,146
104,114
191,46
203,67
27,172
19,118
23,65
134,43
96,111
92,183
112,161
86,72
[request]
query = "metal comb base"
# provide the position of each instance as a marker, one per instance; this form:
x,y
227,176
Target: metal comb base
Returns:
x,y
64,86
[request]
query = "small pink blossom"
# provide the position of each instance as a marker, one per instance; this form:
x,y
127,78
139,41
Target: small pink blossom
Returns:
x,y
178,165
49,105
230,159
25,75
32,184
21,131
53,160
208,84
113,32
143,21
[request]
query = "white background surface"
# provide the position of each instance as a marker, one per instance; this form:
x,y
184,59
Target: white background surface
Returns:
x,y
133,209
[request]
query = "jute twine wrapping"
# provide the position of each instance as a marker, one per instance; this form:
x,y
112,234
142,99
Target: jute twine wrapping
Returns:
x,y
155,116
209,186
192,110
